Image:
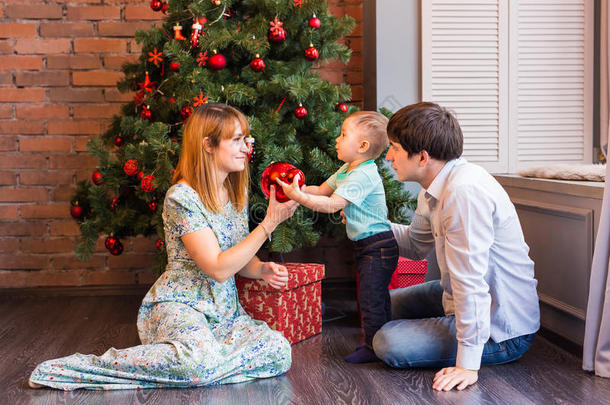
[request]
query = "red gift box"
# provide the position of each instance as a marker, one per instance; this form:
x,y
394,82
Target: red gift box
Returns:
x,y
408,272
295,309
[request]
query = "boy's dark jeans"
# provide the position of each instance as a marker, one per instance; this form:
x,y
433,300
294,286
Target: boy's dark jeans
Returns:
x,y
376,258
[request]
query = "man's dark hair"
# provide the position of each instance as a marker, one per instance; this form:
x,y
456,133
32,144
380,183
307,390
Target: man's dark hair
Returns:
x,y
427,126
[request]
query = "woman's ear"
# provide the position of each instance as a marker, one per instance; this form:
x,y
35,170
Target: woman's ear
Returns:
x,y
207,146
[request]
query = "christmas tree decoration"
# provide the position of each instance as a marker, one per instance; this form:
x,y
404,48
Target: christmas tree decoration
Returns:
x,y
197,30
156,5
97,178
114,203
147,84
118,140
164,8
314,22
311,53
201,60
257,64
217,61
342,107
152,206
251,152
216,2
283,171
200,100
178,32
228,14
186,111
174,66
298,3
146,113
277,34
131,167
147,184
140,176
156,57
159,244
138,98
111,242
300,112
76,211
117,249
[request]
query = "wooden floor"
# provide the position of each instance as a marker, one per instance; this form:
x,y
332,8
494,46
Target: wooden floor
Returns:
x,y
37,329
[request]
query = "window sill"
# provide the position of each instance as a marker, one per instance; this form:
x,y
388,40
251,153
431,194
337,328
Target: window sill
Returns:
x,y
588,189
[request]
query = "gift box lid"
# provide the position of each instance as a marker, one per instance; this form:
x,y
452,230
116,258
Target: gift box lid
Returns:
x,y
298,274
408,266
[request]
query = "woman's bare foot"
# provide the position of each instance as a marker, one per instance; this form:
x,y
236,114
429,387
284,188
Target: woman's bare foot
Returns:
x,y
34,385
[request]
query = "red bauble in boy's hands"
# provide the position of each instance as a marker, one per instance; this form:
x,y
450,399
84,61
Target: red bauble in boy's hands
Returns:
x,y
283,171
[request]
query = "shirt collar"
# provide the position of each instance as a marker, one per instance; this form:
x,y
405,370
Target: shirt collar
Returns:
x,y
437,185
343,174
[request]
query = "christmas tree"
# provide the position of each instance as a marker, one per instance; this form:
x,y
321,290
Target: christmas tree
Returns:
x,y
256,55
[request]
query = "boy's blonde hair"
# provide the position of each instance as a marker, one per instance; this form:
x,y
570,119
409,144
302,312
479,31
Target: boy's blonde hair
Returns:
x,y
374,130
196,166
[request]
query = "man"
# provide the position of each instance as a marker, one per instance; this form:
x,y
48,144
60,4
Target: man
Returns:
x,y
484,309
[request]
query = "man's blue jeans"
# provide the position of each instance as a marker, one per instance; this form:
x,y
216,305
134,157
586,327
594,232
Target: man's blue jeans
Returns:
x,y
422,336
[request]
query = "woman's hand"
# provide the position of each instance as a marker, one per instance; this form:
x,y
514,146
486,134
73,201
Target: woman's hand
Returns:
x,y
278,212
274,274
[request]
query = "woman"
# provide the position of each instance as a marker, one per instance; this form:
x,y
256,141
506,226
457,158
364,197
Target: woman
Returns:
x,y
193,330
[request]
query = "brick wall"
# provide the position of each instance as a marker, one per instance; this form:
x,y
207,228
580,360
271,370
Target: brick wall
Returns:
x,y
59,62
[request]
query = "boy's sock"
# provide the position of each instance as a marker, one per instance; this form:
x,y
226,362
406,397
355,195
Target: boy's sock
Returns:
x,y
362,354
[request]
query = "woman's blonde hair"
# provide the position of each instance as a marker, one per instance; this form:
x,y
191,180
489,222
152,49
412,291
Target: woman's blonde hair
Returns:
x,y
197,166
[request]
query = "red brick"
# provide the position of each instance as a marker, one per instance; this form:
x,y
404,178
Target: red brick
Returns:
x,y
96,78
131,260
114,95
105,277
354,11
33,11
22,95
43,46
47,245
142,244
333,76
20,30
355,44
45,144
94,12
12,278
73,62
134,47
355,61
18,161
23,228
357,93
6,111
48,78
95,45
9,245
45,177
8,143
72,262
53,278
80,144
141,13
354,77
45,211
29,111
75,95
357,30
62,193
121,29
7,179
8,212
23,195
146,277
7,47
6,78
64,228
65,29
22,127
96,110
116,62
73,127
80,161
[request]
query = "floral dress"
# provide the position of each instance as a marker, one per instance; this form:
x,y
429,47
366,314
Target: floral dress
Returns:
x,y
193,330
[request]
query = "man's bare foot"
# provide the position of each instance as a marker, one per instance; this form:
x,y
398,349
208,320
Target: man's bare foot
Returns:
x,y
34,385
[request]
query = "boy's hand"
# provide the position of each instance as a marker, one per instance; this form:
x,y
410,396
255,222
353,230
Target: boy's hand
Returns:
x,y
449,377
274,274
293,191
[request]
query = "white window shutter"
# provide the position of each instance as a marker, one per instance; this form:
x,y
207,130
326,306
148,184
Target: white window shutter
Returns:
x,y
464,68
551,82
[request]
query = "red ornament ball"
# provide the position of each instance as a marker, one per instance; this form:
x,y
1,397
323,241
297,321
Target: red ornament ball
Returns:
x,y
300,112
140,175
131,167
174,66
146,113
159,244
164,8
277,35
216,2
156,5
314,22
186,111
111,242
152,206
117,249
118,140
114,203
147,184
257,64
76,211
97,178
217,62
342,107
283,171
311,53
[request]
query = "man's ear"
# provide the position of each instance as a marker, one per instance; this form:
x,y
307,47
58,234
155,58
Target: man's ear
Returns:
x,y
207,146
424,158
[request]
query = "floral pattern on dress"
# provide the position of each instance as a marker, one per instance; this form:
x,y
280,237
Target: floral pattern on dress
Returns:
x,y
193,329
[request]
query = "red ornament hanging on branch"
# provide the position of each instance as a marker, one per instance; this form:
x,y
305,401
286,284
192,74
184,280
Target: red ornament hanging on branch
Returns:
x,y
314,22
186,111
131,167
156,5
114,203
216,2
111,242
197,30
147,184
342,107
152,206
76,210
97,178
118,140
257,64
147,85
277,33
217,61
178,32
300,112
200,100
159,244
146,113
174,66
311,53
203,57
